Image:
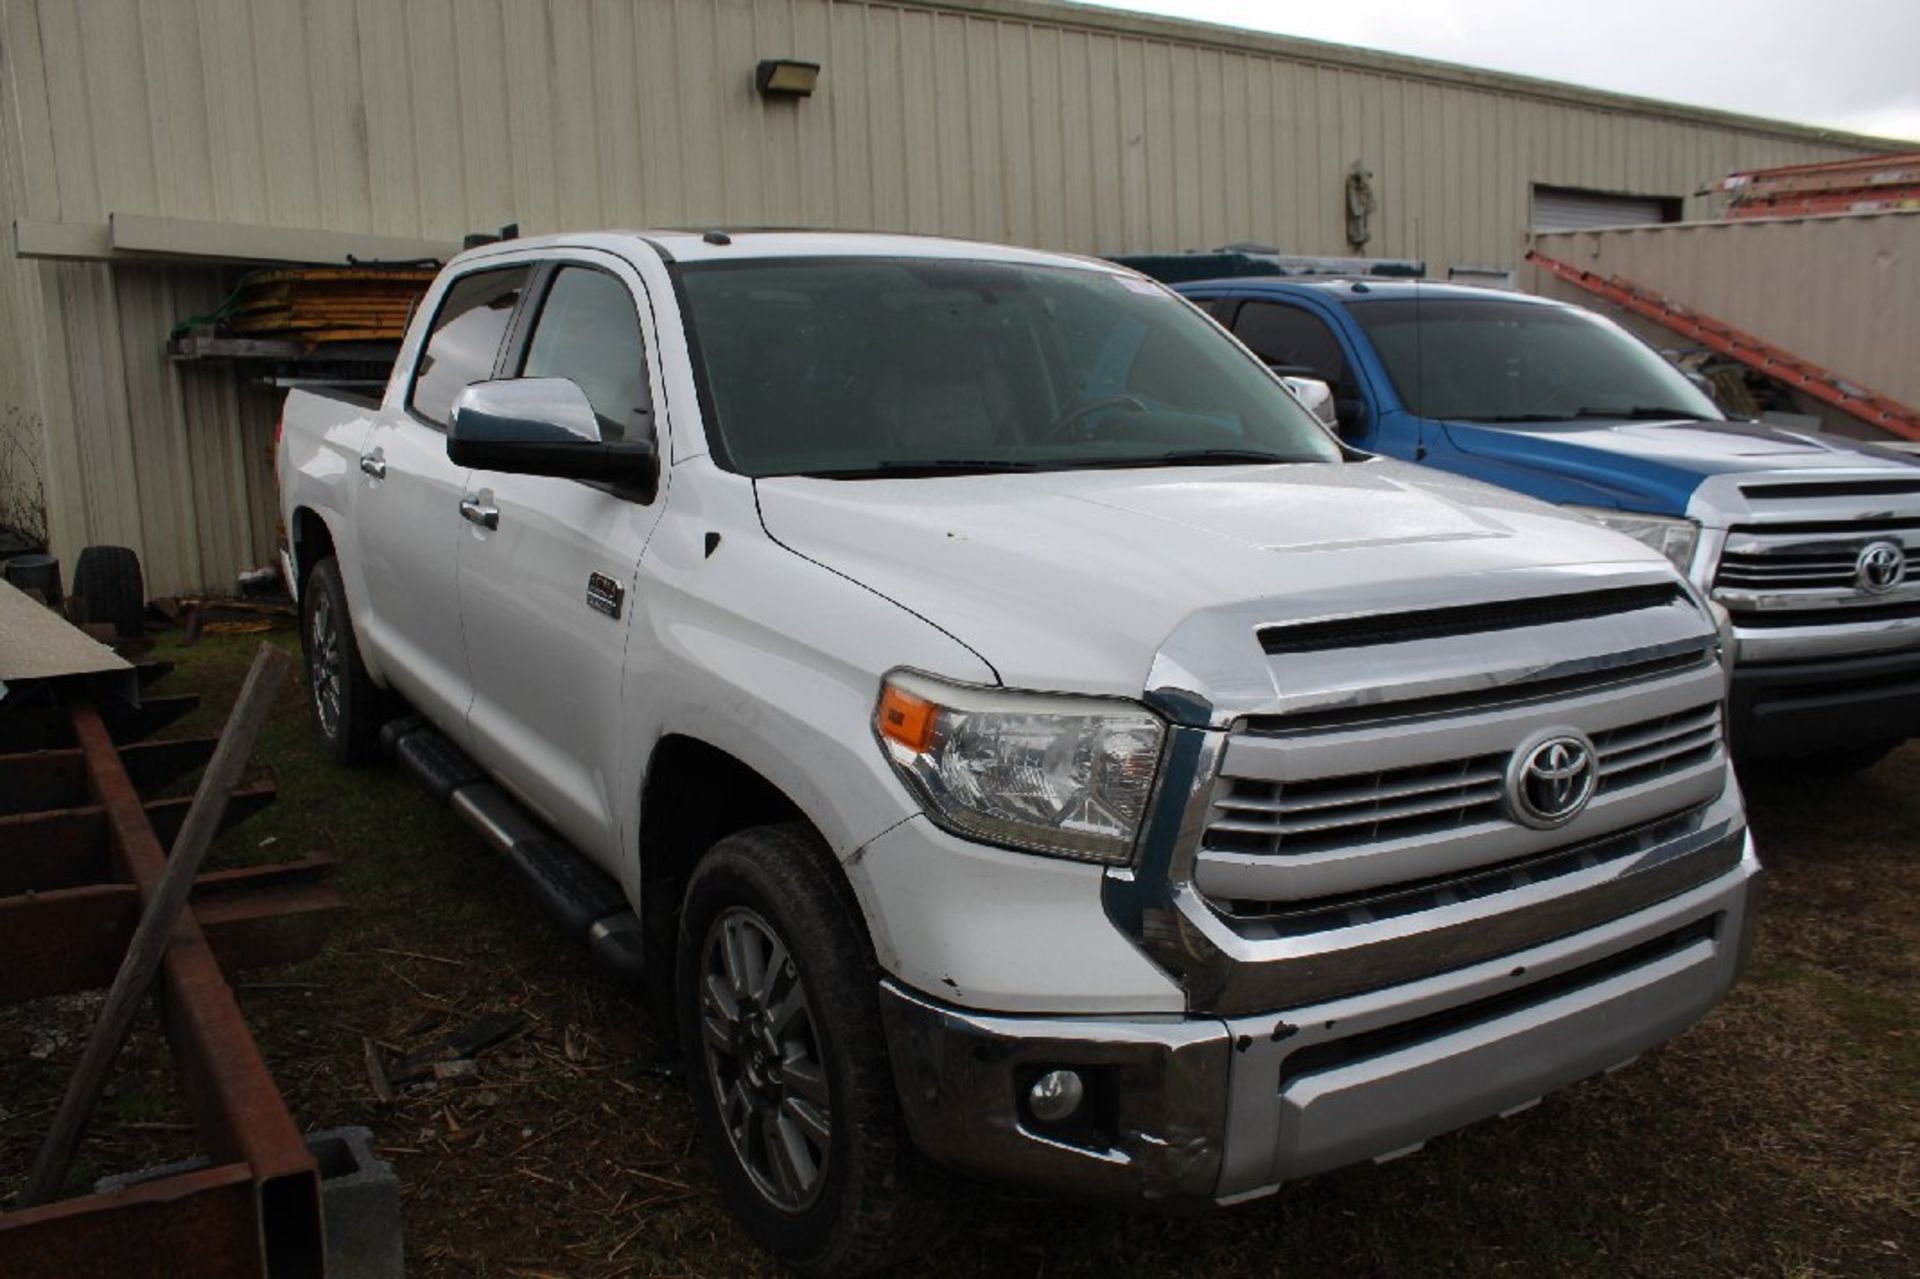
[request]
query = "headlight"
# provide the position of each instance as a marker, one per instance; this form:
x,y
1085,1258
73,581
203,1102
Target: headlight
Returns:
x,y
1054,774
1674,539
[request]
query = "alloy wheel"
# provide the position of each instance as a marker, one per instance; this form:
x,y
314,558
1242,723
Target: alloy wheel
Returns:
x,y
763,1059
323,663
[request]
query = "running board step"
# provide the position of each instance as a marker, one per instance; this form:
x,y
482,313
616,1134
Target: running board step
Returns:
x,y
580,897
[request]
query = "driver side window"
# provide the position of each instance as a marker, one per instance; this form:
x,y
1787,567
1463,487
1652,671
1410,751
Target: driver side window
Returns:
x,y
588,332
1292,340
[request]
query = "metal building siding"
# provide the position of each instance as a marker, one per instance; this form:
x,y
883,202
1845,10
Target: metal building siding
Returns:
x,y
1843,292
438,117
1005,119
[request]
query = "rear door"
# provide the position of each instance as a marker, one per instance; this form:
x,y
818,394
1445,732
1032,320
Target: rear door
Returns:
x,y
546,595
408,512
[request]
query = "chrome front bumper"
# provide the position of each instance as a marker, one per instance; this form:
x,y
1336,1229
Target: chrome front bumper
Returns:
x,y
1226,1108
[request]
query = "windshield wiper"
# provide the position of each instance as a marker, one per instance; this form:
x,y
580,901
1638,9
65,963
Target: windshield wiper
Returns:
x,y
1183,457
902,469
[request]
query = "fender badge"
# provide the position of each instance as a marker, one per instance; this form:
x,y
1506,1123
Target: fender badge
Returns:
x,y
604,595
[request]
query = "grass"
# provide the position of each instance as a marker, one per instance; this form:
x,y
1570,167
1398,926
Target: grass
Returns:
x,y
1780,1137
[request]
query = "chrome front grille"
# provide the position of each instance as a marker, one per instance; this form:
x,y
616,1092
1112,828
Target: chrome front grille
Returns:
x,y
1770,573
1641,753
1817,568
1311,808
1327,814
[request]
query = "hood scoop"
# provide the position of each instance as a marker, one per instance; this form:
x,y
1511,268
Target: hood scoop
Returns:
x,y
1468,619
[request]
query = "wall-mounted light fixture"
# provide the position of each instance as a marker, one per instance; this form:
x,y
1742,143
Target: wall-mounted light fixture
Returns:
x,y
786,78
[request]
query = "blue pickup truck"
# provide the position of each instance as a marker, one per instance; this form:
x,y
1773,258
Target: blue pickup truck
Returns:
x,y
1804,539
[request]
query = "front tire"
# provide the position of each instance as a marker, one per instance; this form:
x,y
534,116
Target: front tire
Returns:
x,y
348,707
779,1022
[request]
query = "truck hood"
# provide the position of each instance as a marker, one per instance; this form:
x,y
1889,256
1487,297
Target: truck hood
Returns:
x,y
1652,466
1074,580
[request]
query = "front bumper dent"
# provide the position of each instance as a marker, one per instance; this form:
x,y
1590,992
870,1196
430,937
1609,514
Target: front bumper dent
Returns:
x,y
961,1077
1229,1108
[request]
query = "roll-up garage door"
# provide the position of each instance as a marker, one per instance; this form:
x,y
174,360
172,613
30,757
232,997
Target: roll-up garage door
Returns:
x,y
1567,209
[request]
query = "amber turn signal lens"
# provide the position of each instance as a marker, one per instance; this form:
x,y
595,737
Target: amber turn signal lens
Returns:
x,y
906,719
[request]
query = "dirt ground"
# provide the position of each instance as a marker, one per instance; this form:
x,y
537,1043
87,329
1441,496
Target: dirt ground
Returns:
x,y
1780,1137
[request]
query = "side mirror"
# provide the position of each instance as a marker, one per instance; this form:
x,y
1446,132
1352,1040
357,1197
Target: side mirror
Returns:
x,y
544,426
1351,412
1316,395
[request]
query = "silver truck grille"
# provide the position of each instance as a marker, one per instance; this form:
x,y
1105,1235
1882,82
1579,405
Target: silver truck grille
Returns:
x,y
1809,572
1312,810
1295,818
1822,567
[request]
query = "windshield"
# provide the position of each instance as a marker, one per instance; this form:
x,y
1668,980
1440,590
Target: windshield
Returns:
x,y
1492,360
870,366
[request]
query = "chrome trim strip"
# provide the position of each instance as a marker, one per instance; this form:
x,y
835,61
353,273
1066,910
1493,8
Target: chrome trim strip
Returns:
x,y
1758,644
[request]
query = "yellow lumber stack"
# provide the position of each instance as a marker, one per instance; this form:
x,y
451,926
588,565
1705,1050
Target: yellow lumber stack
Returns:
x,y
327,304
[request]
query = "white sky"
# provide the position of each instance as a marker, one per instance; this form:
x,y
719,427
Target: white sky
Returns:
x,y
1851,64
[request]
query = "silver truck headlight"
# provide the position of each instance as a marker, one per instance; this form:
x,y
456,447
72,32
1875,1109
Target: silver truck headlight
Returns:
x,y
1675,539
1045,772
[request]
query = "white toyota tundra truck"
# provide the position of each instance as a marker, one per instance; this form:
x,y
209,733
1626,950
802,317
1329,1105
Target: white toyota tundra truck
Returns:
x,y
1003,727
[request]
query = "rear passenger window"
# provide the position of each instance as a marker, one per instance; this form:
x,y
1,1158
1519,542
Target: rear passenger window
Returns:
x,y
588,332
465,339
1292,340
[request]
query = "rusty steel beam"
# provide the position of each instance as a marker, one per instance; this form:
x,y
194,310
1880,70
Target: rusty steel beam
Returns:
x,y
71,939
203,1223
237,1110
43,728
66,940
67,847
38,780
63,848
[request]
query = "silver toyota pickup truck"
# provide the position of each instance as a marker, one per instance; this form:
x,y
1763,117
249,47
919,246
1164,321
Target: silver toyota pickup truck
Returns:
x,y
1003,729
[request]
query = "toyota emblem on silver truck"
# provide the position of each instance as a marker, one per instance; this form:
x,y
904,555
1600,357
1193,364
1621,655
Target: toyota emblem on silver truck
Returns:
x,y
1550,778
1881,567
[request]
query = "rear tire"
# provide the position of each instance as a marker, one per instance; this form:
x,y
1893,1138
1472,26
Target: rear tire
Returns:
x,y
348,707
779,1020
108,588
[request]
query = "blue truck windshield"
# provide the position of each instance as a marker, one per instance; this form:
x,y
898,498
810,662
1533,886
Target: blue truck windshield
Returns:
x,y
1492,360
869,367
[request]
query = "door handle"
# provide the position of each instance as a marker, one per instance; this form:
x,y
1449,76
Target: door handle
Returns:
x,y
374,464
479,509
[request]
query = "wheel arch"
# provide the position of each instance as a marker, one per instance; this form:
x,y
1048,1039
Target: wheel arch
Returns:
x,y
311,541
692,795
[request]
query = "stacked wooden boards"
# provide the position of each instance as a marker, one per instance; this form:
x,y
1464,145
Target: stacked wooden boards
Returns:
x,y
326,304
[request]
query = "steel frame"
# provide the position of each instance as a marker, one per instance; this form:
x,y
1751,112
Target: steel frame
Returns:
x,y
73,880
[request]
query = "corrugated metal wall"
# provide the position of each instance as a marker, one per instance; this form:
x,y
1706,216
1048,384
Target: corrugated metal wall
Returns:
x,y
1842,291
1000,119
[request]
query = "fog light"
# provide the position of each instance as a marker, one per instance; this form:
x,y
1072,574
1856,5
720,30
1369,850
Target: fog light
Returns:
x,y
1056,1095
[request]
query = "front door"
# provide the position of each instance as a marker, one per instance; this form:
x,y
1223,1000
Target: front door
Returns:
x,y
409,510
546,593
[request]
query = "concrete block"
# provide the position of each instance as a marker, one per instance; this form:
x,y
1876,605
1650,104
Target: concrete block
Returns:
x,y
360,1200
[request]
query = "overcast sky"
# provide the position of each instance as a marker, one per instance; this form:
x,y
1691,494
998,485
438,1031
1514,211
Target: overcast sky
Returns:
x,y
1853,64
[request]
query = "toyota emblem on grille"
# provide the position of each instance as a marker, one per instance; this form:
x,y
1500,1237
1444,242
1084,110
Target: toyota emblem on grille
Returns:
x,y
1881,567
1550,778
